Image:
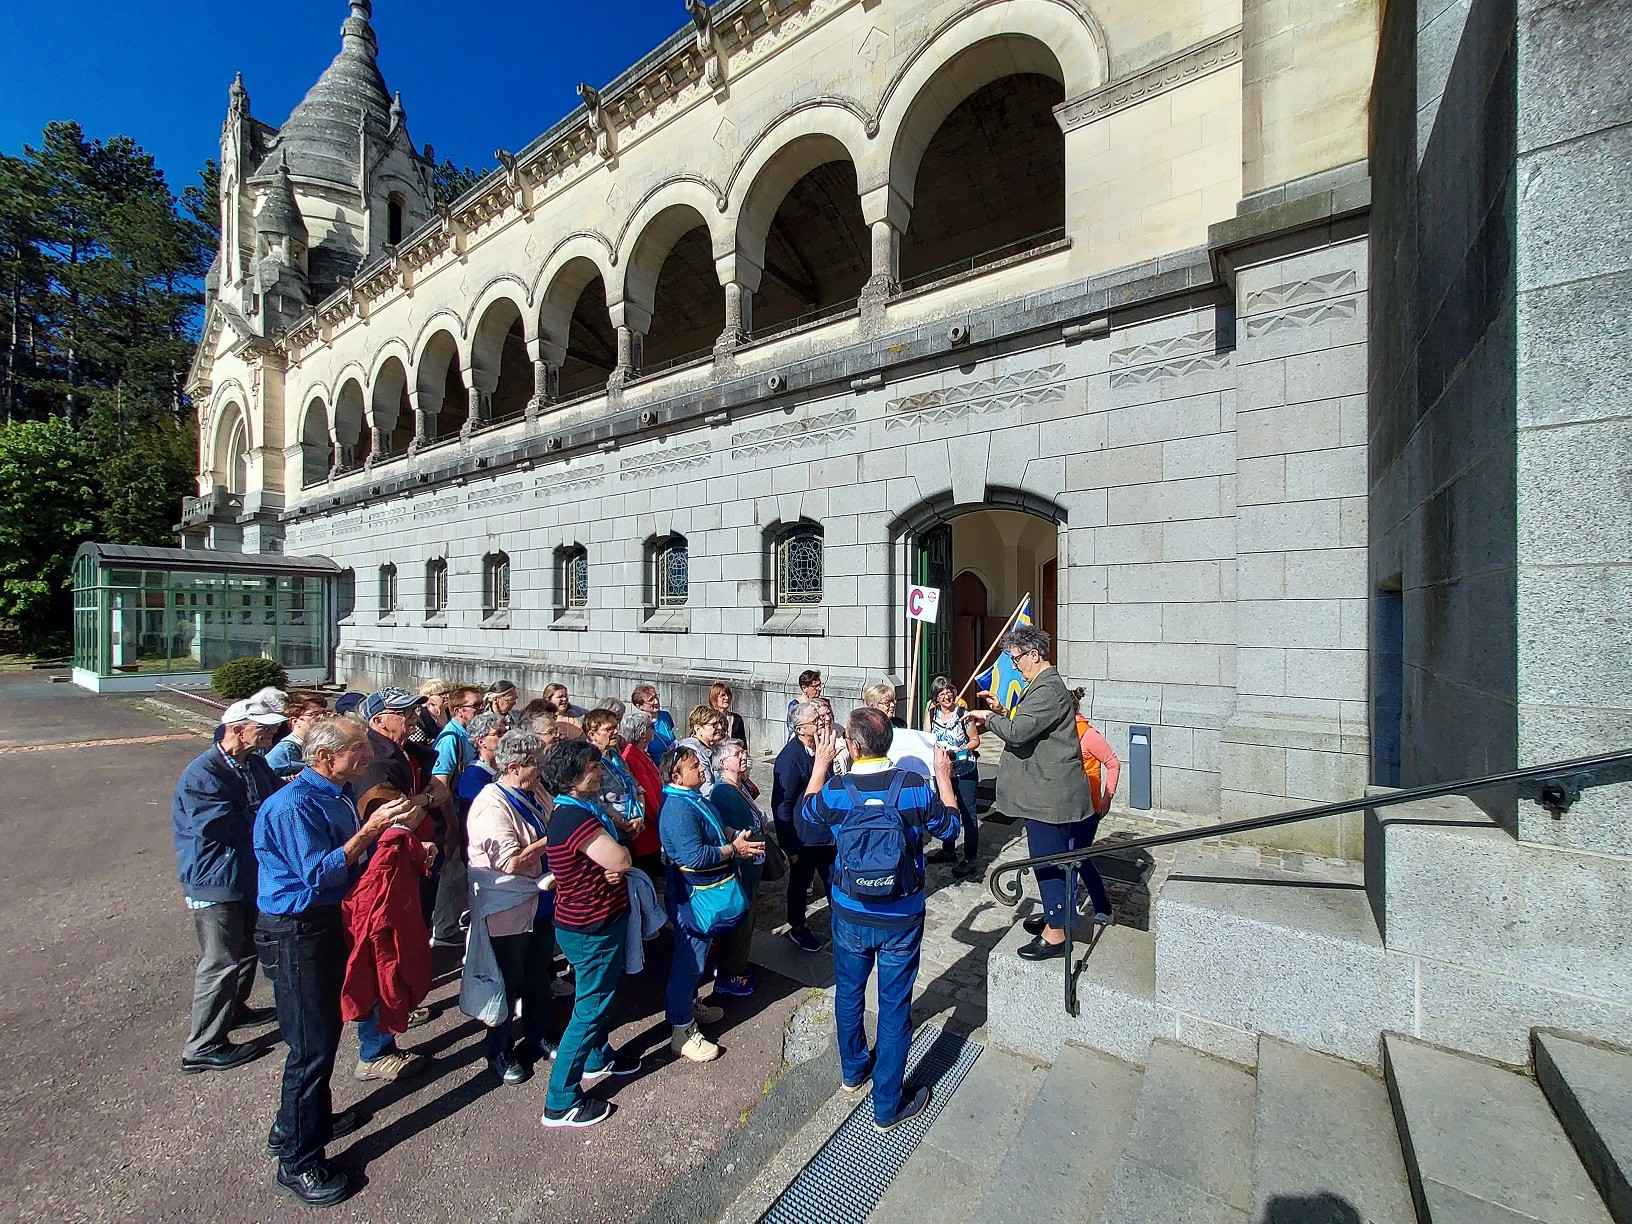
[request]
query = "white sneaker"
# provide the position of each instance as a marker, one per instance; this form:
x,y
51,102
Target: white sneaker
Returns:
x,y
690,1044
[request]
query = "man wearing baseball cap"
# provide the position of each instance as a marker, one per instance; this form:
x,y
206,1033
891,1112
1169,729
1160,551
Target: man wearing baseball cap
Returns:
x,y
400,769
212,819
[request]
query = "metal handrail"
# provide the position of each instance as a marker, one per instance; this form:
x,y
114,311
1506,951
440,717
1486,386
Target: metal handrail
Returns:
x,y
1555,785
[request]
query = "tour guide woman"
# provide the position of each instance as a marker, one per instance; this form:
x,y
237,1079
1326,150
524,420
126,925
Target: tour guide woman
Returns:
x,y
591,923
1041,779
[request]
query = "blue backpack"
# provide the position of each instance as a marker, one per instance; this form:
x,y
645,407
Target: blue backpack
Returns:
x,y
877,859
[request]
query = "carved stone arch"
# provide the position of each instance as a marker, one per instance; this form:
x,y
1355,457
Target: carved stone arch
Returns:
x,y
433,354
387,387
666,220
315,437
580,244
232,393
797,142
704,196
497,308
505,285
391,346
943,507
981,44
348,415
567,275
443,320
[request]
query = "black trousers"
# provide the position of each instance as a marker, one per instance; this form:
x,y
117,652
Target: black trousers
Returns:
x,y
813,861
527,964
305,956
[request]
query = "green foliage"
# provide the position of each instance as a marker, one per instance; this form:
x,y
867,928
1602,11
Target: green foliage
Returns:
x,y
45,499
238,678
449,182
100,291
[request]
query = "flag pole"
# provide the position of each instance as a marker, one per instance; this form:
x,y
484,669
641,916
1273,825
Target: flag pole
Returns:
x,y
991,652
912,670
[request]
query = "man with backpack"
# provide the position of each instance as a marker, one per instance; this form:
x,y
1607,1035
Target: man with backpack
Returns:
x,y
877,818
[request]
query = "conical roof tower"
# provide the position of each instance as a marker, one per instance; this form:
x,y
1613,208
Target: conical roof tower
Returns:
x,y
322,138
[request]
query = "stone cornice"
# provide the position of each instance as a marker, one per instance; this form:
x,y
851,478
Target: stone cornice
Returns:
x,y
1188,65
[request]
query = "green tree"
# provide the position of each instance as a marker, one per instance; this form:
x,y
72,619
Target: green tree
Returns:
x,y
450,181
45,514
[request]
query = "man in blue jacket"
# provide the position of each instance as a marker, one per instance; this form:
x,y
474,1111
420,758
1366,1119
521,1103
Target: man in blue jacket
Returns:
x,y
877,817
213,819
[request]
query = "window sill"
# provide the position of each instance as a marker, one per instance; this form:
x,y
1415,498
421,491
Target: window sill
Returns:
x,y
572,620
497,620
439,621
667,620
388,621
795,622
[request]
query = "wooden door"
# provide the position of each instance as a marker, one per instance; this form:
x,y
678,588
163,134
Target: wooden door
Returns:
x,y
1048,601
970,617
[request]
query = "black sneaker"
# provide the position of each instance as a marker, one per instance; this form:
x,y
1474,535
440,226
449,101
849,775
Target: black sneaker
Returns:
x,y
318,1186
944,855
625,1064
962,868
804,939
911,1108
1039,949
348,1123
224,1059
528,1053
249,1017
587,1112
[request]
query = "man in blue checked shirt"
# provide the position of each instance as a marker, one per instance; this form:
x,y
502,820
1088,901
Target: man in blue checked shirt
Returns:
x,y
877,817
309,848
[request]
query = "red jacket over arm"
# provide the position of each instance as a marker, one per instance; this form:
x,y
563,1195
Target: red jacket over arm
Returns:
x,y
389,962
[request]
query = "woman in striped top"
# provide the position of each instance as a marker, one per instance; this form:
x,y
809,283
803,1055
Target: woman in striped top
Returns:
x,y
591,910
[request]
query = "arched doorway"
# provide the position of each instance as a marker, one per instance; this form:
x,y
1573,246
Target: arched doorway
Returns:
x,y
985,558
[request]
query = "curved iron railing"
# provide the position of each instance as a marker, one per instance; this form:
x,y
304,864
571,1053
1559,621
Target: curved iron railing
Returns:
x,y
1556,786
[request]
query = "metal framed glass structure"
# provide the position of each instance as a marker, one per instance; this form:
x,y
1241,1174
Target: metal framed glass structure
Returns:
x,y
799,565
144,615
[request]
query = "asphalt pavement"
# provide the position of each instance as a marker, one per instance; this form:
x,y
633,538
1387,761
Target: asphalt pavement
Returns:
x,y
96,958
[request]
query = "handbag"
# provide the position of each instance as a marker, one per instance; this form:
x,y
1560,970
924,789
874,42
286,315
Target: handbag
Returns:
x,y
710,906
775,866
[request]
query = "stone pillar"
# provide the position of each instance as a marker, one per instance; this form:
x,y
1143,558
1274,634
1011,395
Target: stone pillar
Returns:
x,y
632,323
481,408
381,448
887,213
424,422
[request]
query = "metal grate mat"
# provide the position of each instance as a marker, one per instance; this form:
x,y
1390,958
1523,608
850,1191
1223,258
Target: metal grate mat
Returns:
x,y
845,1180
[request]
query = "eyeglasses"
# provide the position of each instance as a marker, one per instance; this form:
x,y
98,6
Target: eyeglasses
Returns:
x,y
469,705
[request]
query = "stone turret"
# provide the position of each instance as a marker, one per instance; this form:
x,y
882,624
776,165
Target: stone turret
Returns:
x,y
282,286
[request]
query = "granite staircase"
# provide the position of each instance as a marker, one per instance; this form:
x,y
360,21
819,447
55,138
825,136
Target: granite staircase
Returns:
x,y
1298,1137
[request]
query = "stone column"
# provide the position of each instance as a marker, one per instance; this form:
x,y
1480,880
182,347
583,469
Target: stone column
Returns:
x,y
887,213
548,358
424,422
632,323
381,448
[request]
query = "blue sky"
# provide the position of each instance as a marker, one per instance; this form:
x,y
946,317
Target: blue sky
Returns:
x,y
475,75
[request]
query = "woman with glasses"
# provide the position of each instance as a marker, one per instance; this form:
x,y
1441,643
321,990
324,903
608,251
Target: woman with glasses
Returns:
x,y
810,689
1041,780
952,729
740,813
433,714
286,757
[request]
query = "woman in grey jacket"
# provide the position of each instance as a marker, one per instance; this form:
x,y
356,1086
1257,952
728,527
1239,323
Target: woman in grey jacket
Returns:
x,y
1041,779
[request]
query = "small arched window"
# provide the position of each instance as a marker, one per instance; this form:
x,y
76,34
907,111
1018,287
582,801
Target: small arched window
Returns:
x,y
571,579
436,587
388,590
238,456
495,584
668,572
345,595
798,565
394,220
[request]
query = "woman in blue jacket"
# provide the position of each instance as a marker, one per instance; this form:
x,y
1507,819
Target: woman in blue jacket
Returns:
x,y
700,853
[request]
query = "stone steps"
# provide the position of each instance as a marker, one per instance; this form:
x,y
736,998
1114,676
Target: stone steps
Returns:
x,y
1590,1089
1480,1142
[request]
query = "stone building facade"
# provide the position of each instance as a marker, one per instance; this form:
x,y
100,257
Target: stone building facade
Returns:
x,y
819,298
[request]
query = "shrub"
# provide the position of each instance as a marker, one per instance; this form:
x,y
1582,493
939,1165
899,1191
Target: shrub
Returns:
x,y
238,678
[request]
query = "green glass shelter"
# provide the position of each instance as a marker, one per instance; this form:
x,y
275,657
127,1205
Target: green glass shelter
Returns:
x,y
143,616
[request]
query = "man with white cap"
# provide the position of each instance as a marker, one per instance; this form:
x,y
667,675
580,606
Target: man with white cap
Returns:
x,y
212,819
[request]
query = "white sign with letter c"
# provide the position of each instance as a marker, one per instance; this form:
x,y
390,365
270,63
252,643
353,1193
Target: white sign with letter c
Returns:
x,y
923,602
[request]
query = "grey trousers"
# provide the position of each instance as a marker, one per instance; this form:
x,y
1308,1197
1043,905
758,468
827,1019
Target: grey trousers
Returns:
x,y
452,900
225,973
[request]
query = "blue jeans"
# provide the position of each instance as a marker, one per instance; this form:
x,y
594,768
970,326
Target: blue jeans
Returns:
x,y
597,959
686,970
305,956
1057,839
856,949
966,777
372,1041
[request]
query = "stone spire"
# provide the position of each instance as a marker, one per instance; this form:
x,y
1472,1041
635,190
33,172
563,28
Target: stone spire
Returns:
x,y
322,138
238,97
279,214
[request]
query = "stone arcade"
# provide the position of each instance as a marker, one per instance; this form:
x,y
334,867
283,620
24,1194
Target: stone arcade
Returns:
x,y
823,295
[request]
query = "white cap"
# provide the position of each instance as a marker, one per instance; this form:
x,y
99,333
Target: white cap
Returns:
x,y
264,707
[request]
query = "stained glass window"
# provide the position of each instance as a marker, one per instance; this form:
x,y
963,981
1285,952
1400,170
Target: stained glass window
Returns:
x,y
436,587
672,571
799,565
388,590
495,584
571,578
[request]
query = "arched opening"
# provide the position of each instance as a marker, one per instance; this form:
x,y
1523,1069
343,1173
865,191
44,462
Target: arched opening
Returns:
x,y
351,431
671,274
592,344
441,385
817,250
499,356
985,559
316,447
233,459
390,409
989,181
394,220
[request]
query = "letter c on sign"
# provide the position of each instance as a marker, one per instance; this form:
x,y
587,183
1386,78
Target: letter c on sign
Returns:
x,y
915,601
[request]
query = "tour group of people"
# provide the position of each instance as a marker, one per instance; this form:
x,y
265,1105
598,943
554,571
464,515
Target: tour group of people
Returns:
x,y
335,844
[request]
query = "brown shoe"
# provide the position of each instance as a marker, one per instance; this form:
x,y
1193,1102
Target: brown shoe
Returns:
x,y
390,1067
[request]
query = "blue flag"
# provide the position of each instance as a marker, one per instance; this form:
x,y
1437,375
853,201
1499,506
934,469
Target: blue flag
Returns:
x,y
1002,679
